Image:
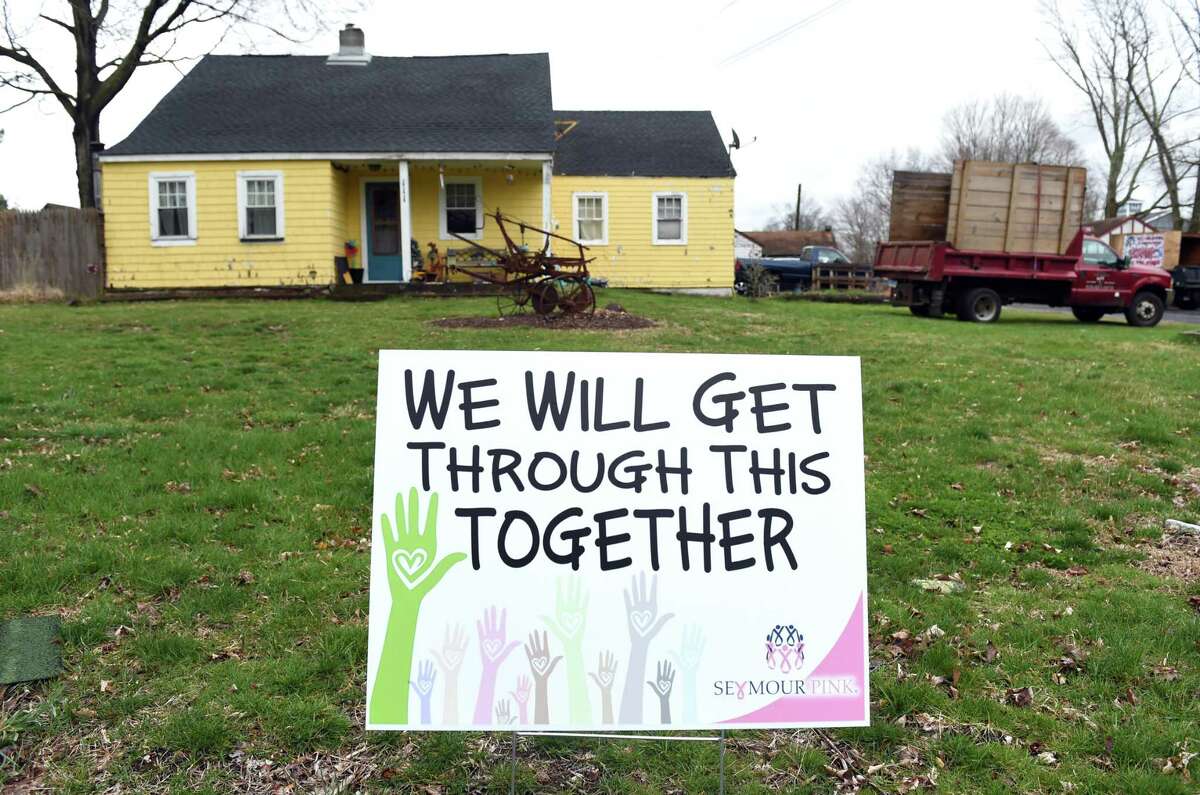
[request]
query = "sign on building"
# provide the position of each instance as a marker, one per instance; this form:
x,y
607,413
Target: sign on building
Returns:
x,y
1146,250
587,541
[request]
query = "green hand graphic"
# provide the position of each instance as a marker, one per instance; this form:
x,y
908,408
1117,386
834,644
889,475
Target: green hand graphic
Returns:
x,y
412,574
570,619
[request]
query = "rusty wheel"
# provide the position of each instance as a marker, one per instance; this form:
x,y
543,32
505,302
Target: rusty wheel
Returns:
x,y
575,297
512,300
543,297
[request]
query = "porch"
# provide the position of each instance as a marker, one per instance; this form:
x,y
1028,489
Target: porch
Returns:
x,y
386,209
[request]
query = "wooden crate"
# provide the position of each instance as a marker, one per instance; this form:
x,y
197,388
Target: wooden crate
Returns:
x,y
920,205
1015,207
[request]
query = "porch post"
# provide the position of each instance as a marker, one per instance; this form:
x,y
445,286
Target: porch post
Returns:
x,y
406,262
547,170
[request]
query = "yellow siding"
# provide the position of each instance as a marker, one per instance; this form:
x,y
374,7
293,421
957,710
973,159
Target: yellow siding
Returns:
x,y
521,198
323,209
631,259
219,258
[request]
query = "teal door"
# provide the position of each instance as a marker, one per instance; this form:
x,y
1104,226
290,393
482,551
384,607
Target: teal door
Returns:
x,y
383,232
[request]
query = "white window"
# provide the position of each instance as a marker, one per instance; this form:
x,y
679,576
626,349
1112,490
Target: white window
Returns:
x,y
670,219
173,208
461,203
591,218
260,205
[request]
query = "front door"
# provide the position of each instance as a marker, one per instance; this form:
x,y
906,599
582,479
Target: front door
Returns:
x,y
383,232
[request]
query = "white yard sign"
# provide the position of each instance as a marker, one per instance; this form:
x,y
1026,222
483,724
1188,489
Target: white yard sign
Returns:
x,y
1146,250
617,540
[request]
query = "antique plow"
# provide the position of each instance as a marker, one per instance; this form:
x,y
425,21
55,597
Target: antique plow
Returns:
x,y
534,279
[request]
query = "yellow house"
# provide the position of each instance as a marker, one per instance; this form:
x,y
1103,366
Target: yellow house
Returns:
x,y
260,171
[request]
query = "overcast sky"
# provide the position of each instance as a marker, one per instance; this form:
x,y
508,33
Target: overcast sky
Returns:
x,y
858,78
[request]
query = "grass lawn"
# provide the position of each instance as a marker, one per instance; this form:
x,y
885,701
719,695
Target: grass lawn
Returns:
x,y
188,485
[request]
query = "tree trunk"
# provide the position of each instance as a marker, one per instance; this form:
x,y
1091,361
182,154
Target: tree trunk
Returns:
x,y
85,133
1194,223
1111,188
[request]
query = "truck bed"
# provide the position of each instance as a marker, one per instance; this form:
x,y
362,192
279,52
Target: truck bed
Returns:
x,y
931,260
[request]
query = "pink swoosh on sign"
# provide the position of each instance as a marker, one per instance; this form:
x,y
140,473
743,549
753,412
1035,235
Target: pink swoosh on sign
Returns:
x,y
845,661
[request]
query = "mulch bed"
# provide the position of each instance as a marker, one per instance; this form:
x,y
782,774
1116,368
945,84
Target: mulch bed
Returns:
x,y
602,320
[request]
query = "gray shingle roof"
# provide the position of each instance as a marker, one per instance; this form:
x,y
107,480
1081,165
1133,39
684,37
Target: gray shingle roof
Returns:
x,y
641,143
230,104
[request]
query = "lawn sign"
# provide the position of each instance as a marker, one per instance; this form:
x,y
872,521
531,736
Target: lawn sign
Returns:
x,y
597,541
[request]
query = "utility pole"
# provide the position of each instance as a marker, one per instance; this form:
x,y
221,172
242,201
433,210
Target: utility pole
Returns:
x,y
796,217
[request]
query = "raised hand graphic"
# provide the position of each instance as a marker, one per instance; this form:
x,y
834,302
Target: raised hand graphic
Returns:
x,y
641,613
521,696
542,665
687,660
662,685
450,660
424,688
604,677
492,652
504,713
411,551
570,618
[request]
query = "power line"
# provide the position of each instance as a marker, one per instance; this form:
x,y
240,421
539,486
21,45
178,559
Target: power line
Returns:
x,y
774,37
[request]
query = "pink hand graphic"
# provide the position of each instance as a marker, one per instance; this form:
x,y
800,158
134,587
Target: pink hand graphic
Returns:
x,y
492,652
604,677
521,696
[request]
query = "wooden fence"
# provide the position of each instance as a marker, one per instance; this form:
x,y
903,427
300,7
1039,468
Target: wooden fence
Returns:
x,y
842,277
58,250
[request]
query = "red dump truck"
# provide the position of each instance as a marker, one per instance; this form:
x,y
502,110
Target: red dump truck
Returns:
x,y
1011,233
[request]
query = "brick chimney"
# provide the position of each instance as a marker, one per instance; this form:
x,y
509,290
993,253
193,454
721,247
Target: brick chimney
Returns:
x,y
352,49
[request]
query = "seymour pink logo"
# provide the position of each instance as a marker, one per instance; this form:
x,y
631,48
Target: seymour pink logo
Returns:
x,y
785,649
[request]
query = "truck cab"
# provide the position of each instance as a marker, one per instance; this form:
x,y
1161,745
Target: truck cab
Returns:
x,y
1106,283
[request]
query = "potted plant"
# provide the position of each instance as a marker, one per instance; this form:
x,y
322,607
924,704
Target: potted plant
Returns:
x,y
356,269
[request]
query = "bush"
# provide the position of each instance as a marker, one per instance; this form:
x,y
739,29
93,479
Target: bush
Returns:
x,y
760,282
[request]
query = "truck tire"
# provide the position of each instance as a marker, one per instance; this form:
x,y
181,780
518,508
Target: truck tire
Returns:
x,y
1145,311
980,305
1087,314
920,311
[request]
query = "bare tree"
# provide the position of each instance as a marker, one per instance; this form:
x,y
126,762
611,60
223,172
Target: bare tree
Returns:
x,y
1102,68
1187,46
812,215
1008,129
862,218
113,38
1158,92
3,201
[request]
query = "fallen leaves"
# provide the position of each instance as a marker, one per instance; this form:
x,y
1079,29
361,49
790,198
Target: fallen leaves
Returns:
x,y
1019,697
940,583
1179,762
1070,661
177,487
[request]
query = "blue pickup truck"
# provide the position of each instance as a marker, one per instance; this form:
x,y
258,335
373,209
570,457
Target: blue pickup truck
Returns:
x,y
791,273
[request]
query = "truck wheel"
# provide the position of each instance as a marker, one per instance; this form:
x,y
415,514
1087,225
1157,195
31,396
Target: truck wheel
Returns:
x,y
919,311
1087,314
1145,311
981,305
